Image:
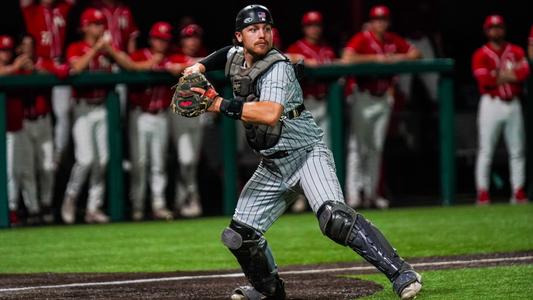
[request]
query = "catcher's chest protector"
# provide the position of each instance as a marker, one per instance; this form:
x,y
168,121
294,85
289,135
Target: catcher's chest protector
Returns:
x,y
259,137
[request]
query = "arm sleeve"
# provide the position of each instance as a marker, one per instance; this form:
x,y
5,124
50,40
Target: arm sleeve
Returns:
x,y
355,44
73,53
482,72
216,60
522,69
402,45
274,86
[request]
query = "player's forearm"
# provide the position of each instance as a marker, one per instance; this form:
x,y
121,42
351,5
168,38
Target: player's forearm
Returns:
x,y
216,60
530,51
82,62
124,61
8,70
354,58
262,112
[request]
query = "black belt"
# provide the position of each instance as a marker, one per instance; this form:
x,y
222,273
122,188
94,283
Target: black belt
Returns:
x,y
278,154
295,113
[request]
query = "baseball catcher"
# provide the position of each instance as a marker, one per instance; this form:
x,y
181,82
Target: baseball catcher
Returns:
x,y
188,103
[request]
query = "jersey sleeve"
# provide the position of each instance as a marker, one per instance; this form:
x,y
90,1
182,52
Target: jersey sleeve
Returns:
x,y
274,86
482,71
522,68
293,49
402,45
73,53
356,43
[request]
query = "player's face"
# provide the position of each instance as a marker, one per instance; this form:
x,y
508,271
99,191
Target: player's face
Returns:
x,y
47,2
159,45
26,46
495,33
5,57
94,30
379,25
313,32
256,38
191,45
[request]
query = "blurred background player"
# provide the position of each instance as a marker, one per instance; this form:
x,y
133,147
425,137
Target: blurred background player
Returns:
x,y
46,22
186,134
17,174
500,69
314,52
93,53
36,137
372,102
152,126
530,43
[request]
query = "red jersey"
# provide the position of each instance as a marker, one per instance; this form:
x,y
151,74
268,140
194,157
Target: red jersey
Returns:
x,y
154,98
321,53
487,62
366,42
99,63
47,26
120,23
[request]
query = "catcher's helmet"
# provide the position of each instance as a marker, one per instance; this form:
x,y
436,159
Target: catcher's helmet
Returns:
x,y
253,14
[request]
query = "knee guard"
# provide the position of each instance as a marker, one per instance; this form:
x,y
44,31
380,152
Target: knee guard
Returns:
x,y
346,227
253,254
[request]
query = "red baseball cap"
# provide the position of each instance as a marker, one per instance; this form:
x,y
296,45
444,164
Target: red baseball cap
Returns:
x,y
379,11
92,16
161,30
493,20
311,17
6,42
191,30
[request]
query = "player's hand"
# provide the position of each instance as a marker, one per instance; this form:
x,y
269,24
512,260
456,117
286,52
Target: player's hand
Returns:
x,y
505,76
101,44
211,94
196,68
23,62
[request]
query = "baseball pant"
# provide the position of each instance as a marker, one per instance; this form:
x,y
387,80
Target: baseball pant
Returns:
x,y
151,149
319,110
61,105
20,173
186,134
495,116
277,182
39,153
90,151
370,118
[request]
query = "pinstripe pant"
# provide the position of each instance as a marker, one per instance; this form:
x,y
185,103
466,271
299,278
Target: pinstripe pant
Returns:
x,y
276,183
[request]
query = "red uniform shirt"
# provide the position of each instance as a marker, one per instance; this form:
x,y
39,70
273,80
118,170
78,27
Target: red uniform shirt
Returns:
x,y
120,23
99,63
47,26
366,42
486,64
322,54
154,98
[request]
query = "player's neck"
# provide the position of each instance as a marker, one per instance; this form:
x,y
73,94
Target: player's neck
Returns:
x,y
497,44
378,35
312,41
90,40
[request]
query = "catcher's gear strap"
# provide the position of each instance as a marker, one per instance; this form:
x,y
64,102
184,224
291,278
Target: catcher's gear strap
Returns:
x,y
243,80
216,60
256,260
232,108
404,279
346,227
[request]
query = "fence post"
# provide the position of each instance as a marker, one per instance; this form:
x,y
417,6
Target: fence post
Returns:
x,y
335,104
447,139
4,206
229,151
115,180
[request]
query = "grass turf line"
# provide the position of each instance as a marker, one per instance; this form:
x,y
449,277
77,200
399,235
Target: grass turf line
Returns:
x,y
509,282
295,239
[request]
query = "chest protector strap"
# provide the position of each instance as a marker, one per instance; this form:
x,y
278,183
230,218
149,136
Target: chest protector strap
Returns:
x,y
259,137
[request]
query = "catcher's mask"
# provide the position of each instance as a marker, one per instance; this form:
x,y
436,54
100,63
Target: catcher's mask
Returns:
x,y
253,14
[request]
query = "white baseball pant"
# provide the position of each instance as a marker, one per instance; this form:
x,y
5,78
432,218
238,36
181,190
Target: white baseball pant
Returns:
x,y
90,151
495,116
39,153
151,149
370,119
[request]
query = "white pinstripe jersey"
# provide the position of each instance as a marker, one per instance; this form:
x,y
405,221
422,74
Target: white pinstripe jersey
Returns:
x,y
280,85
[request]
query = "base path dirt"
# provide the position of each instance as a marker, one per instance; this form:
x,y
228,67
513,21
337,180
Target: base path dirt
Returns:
x,y
324,281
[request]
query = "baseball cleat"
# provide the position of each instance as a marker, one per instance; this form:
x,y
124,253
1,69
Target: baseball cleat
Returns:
x,y
163,214
483,198
96,216
519,197
68,210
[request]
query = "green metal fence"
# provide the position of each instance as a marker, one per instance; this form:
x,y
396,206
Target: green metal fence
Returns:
x,y
330,73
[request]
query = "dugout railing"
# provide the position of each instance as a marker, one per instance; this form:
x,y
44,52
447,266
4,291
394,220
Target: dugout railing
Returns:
x,y
331,74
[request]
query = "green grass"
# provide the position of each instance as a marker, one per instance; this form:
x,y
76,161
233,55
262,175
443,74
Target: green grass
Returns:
x,y
510,282
295,239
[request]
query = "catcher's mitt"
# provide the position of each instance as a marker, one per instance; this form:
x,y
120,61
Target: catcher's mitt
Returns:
x,y
188,103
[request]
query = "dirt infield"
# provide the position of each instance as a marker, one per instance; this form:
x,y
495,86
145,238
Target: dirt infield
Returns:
x,y
302,282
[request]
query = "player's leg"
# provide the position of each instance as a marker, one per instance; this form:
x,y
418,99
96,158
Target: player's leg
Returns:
x,y
139,149
514,138
97,180
46,165
28,183
489,130
12,180
158,176
376,135
343,225
61,104
260,204
355,174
